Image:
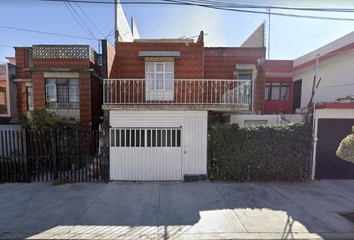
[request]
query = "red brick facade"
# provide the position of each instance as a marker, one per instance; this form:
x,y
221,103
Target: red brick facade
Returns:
x,y
219,63
89,81
130,65
195,62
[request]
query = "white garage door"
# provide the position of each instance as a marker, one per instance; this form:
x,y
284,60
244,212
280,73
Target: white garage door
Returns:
x,y
146,154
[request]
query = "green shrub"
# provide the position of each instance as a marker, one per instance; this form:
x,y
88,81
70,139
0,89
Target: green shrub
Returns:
x,y
60,181
346,148
261,153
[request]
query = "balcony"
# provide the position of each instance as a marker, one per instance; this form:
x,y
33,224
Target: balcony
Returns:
x,y
178,93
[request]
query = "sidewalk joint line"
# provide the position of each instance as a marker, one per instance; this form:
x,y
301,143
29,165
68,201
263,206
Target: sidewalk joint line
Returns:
x,y
230,207
75,224
303,208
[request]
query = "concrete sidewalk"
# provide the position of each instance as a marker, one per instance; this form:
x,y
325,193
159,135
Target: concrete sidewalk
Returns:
x,y
200,210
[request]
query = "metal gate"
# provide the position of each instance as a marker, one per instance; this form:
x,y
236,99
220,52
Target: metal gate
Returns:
x,y
330,133
146,154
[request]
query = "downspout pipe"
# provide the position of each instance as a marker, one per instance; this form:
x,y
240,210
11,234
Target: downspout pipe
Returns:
x,y
314,125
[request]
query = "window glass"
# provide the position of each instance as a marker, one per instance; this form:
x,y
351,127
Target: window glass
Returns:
x,y
51,95
159,67
30,106
150,67
160,90
277,91
74,95
245,76
63,93
169,67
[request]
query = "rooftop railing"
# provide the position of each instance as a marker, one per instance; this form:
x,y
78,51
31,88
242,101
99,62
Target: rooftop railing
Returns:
x,y
65,51
178,91
3,69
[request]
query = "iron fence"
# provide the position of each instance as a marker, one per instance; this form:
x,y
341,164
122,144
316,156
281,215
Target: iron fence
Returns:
x,y
31,155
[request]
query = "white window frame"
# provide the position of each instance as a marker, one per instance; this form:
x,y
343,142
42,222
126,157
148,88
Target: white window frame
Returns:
x,y
152,92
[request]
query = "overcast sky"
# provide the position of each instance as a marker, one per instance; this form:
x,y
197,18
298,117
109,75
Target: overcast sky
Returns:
x,y
290,37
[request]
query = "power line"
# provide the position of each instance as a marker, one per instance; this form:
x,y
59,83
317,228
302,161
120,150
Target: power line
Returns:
x,y
311,37
76,19
48,33
232,7
80,19
89,18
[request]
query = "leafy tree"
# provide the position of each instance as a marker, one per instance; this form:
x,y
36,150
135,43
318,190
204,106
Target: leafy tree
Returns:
x,y
346,148
42,119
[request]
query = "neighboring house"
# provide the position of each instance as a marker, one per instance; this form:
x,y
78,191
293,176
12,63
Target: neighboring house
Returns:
x,y
8,103
66,79
289,88
160,97
289,83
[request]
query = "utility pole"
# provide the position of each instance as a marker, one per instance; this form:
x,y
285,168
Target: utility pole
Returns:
x,y
268,33
116,20
314,124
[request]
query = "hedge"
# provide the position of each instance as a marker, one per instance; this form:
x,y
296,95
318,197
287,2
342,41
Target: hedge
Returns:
x,y
261,153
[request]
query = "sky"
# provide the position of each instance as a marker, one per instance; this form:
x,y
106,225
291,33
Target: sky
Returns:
x,y
290,37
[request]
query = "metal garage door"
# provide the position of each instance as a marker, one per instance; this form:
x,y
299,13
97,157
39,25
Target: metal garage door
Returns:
x,y
146,154
330,133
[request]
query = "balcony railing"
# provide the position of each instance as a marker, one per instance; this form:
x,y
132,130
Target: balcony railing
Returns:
x,y
178,91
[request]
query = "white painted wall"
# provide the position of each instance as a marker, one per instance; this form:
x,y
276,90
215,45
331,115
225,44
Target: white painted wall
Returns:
x,y
335,113
341,42
240,119
130,163
337,81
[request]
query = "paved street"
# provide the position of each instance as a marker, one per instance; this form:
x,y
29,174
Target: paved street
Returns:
x,y
173,210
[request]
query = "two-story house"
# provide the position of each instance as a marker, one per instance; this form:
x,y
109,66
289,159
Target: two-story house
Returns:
x,y
161,96
65,79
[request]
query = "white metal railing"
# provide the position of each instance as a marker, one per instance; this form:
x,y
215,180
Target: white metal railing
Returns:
x,y
178,91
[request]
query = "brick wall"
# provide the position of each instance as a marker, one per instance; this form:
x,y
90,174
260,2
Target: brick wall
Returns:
x,y
85,100
21,55
21,98
256,39
38,90
130,65
96,101
61,63
219,63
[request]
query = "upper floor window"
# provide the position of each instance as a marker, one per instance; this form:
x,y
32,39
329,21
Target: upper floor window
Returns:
x,y
62,93
159,81
277,91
